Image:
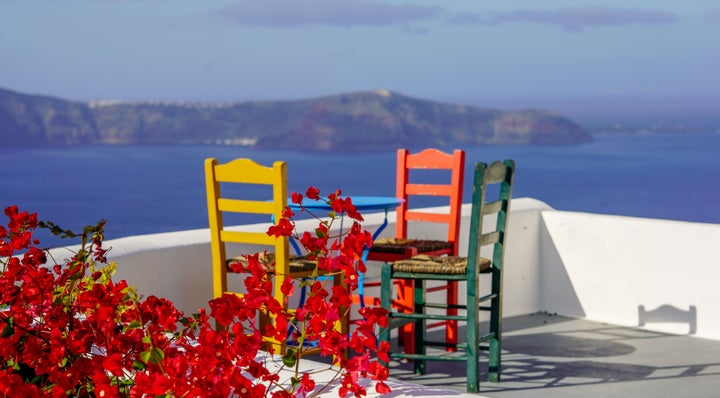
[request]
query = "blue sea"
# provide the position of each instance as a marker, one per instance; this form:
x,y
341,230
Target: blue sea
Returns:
x,y
148,189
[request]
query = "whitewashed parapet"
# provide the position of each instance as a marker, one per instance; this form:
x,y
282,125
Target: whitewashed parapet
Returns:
x,y
657,274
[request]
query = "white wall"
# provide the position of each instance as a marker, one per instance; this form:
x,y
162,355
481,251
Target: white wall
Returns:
x,y
603,268
176,265
614,269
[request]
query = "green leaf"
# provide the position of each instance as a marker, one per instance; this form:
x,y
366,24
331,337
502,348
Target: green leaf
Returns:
x,y
294,382
8,330
289,358
153,355
134,325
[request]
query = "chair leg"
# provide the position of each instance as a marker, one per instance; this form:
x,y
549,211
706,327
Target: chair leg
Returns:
x,y
494,346
473,337
419,326
451,328
494,360
343,325
386,288
473,368
406,334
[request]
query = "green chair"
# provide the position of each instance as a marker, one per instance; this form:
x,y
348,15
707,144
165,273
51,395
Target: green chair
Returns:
x,y
462,269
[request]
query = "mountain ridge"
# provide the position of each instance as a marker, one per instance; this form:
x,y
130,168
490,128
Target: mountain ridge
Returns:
x,y
361,121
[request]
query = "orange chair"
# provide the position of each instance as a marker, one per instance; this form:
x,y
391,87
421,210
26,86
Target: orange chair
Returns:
x,y
402,246
246,171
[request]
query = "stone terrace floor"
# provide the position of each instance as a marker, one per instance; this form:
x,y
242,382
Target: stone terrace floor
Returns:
x,y
553,356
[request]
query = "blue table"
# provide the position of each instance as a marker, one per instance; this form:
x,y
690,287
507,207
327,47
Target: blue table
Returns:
x,y
362,204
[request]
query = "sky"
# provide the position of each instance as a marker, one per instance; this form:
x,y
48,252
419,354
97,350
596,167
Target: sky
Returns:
x,y
489,52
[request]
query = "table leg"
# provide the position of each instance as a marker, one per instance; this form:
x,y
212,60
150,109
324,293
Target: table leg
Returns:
x,y
366,252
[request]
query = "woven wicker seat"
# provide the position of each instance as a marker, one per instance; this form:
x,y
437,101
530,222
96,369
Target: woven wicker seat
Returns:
x,y
446,265
297,263
395,245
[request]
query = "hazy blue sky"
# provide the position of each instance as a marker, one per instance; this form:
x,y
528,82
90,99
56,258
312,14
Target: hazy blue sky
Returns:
x,y
212,50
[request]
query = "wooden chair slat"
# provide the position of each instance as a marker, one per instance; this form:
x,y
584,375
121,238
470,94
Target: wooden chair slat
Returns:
x,y
427,217
431,158
255,238
493,207
246,206
252,172
490,238
428,189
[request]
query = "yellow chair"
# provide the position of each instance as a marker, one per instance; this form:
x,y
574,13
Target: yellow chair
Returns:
x,y
246,171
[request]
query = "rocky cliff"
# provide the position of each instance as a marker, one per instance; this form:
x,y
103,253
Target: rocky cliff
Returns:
x,y
346,122
27,120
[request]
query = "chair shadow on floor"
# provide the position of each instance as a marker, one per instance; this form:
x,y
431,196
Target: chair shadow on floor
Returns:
x,y
544,351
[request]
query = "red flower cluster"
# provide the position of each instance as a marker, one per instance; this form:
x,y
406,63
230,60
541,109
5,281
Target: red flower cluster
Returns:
x,y
68,329
339,254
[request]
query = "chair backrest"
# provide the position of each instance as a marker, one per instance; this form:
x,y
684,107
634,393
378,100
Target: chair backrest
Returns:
x,y
438,160
502,173
244,171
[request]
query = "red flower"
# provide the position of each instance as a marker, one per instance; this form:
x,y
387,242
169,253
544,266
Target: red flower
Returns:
x,y
375,315
223,308
315,246
114,364
313,193
336,202
341,298
382,388
83,333
349,385
103,387
287,287
296,198
284,227
383,351
350,209
306,384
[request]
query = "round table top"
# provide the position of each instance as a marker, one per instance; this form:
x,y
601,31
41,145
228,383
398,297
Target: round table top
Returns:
x,y
360,202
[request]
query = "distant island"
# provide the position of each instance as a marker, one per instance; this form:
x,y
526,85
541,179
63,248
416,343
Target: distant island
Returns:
x,y
365,121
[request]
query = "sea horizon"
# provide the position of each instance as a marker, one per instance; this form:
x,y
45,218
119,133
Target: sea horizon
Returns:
x,y
151,189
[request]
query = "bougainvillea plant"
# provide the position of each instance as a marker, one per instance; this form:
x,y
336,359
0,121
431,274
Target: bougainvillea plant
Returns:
x,y
68,329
